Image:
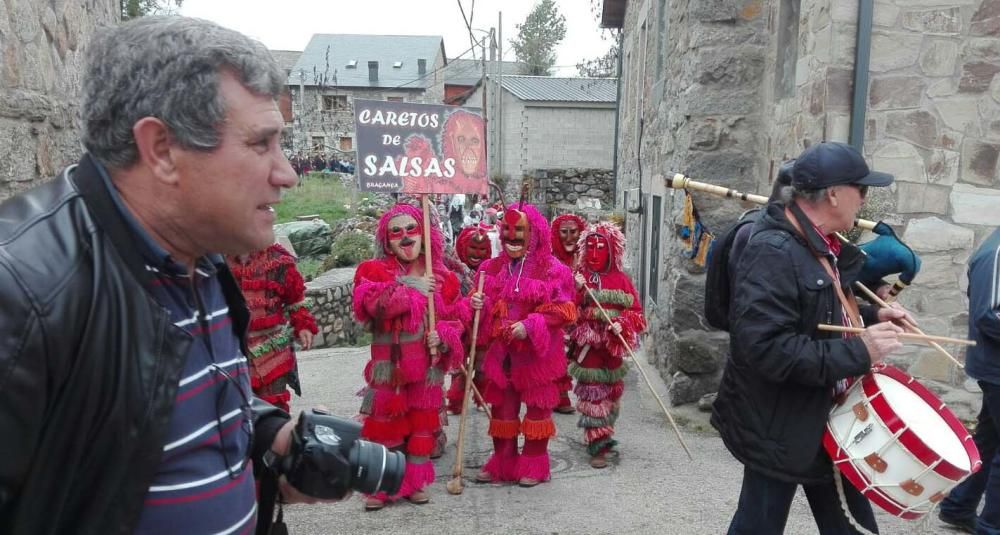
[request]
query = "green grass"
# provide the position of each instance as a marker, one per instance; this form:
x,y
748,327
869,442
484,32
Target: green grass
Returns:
x,y
310,268
324,195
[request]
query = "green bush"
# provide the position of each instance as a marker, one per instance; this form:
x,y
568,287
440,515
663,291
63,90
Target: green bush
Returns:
x,y
349,249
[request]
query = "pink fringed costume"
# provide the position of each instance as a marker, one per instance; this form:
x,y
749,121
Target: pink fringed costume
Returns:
x,y
275,295
537,291
598,363
472,247
404,387
566,256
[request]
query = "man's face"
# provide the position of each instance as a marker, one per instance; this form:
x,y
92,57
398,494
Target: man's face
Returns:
x,y
569,233
515,233
478,250
404,238
598,253
850,198
225,195
468,146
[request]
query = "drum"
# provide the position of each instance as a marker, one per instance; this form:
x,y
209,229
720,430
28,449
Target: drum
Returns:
x,y
898,444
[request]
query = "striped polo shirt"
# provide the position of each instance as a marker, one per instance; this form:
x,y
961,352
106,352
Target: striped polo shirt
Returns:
x,y
204,483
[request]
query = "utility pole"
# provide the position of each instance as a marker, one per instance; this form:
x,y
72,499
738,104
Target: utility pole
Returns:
x,y
486,124
498,95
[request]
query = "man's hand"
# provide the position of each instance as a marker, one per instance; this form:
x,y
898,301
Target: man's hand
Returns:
x,y
895,313
431,283
281,445
433,340
615,327
305,338
477,301
518,331
881,339
580,281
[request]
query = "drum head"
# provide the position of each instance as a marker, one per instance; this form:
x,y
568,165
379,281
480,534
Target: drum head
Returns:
x,y
924,420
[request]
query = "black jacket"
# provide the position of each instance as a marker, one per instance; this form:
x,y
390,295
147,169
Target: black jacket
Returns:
x,y
777,387
89,362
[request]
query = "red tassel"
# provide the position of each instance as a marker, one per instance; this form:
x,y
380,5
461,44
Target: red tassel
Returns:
x,y
504,428
421,445
385,431
538,429
427,420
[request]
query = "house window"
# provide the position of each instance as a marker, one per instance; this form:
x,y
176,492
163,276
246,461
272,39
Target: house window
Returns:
x,y
395,99
346,144
788,48
318,143
334,102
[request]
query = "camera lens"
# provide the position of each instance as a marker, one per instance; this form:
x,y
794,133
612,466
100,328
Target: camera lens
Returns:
x,y
375,468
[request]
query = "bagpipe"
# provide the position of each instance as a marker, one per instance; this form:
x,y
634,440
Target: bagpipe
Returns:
x,y
884,256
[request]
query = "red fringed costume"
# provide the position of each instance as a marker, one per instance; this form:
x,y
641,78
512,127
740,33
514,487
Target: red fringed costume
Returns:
x,y
536,291
473,247
565,231
275,295
404,394
598,363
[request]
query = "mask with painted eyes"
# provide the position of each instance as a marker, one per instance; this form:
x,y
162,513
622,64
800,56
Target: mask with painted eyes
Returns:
x,y
515,233
478,249
598,253
405,238
569,233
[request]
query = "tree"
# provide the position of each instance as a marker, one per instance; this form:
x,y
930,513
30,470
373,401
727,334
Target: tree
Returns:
x,y
138,8
605,66
537,38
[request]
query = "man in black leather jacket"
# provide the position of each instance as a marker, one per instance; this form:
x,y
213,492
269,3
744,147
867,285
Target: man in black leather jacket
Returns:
x,y
781,378
182,137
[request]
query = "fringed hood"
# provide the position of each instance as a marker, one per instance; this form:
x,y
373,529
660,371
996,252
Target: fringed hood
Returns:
x,y
615,239
382,232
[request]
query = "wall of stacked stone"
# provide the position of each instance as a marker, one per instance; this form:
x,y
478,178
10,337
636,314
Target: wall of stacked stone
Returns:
x,y
561,190
330,295
42,46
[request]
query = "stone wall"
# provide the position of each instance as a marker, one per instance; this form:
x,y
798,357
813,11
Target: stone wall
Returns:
x,y
41,46
556,191
331,295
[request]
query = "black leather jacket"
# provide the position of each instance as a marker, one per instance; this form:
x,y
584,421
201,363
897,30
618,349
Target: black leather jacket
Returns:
x,y
777,387
89,363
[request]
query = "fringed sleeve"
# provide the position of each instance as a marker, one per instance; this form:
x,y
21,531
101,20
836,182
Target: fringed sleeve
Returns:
x,y
301,319
294,296
378,296
632,320
450,332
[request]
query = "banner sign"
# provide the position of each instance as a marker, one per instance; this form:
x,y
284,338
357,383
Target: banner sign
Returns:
x,y
419,148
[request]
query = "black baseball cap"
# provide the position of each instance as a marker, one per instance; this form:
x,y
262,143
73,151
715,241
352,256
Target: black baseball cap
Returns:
x,y
831,164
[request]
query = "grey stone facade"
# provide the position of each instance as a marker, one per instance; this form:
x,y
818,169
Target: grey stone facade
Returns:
x,y
331,295
41,46
558,191
725,90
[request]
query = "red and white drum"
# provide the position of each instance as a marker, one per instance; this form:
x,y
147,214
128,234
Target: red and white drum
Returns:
x,y
898,444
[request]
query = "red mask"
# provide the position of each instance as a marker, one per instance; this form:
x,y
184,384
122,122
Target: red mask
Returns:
x,y
598,253
569,233
478,250
515,233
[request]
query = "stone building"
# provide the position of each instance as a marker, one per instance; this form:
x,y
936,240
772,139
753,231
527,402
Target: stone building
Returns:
x,y
550,123
41,46
725,90
334,70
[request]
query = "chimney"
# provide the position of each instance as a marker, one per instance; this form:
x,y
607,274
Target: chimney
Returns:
x,y
421,66
372,71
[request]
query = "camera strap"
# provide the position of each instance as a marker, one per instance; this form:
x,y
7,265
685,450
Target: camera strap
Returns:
x,y
279,527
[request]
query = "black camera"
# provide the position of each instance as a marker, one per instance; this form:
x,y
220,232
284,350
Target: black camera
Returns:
x,y
327,459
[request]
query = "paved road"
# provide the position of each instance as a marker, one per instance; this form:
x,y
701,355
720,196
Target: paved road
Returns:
x,y
651,488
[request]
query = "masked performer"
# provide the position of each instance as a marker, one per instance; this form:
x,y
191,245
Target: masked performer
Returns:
x,y
472,247
275,295
566,229
403,398
598,365
527,301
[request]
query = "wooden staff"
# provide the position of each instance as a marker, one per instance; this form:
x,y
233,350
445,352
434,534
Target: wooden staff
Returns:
x,y
641,371
680,181
455,486
906,323
428,268
907,336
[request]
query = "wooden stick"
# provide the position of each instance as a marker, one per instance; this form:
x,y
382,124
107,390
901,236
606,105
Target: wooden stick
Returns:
x,y
642,372
455,486
428,268
908,336
906,323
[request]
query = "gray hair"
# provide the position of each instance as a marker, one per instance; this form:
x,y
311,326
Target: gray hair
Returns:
x,y
811,196
168,68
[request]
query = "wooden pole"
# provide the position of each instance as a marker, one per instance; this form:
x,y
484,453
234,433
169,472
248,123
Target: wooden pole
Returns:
x,y
643,373
907,336
455,486
429,269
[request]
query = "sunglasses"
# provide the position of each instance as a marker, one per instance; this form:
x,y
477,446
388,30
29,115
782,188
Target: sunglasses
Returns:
x,y
862,190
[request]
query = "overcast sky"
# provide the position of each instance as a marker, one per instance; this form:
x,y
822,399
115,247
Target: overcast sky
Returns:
x,y
288,24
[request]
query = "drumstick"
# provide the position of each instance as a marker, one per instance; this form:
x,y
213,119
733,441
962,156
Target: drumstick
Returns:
x,y
908,336
906,323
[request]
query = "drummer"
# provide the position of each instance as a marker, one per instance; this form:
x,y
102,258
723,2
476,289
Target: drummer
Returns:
x,y
782,375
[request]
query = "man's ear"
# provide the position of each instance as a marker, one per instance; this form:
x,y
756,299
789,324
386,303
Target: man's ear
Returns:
x,y
832,194
153,142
